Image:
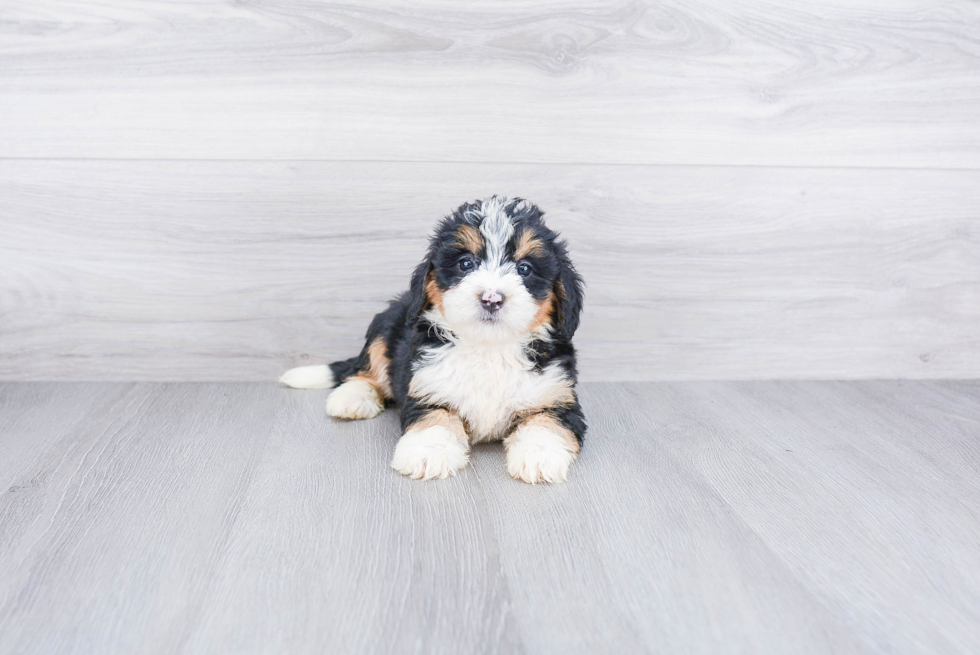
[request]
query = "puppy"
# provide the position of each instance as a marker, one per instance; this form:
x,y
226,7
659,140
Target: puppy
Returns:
x,y
479,349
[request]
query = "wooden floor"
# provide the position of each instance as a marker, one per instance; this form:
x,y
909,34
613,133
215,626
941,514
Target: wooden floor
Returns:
x,y
756,517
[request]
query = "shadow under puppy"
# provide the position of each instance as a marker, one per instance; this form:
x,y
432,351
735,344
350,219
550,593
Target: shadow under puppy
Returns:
x,y
479,349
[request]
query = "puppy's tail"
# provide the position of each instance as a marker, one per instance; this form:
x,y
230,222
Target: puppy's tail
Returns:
x,y
317,376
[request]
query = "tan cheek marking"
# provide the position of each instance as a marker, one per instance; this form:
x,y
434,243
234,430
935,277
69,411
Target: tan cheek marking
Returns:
x,y
560,295
443,418
527,245
543,315
549,421
434,293
468,238
377,371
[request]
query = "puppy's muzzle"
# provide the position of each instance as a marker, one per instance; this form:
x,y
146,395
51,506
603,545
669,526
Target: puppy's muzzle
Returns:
x,y
492,301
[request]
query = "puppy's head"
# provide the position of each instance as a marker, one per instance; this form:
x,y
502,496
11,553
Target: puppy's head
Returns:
x,y
495,272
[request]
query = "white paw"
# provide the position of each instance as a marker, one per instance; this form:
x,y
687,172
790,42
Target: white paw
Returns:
x,y
536,454
355,399
433,452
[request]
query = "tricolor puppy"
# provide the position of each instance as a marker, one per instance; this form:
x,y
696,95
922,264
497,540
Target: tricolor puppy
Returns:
x,y
479,349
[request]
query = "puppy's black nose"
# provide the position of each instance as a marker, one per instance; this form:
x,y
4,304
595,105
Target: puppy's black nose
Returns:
x,y
491,301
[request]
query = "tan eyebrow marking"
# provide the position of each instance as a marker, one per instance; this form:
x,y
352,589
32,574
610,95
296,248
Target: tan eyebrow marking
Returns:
x,y
469,238
527,245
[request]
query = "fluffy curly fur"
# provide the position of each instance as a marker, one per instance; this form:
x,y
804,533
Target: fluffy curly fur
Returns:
x,y
478,349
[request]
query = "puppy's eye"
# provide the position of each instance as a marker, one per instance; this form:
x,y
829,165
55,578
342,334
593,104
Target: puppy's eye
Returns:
x,y
523,269
466,264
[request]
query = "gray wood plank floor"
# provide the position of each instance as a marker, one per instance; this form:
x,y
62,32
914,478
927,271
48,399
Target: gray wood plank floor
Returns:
x,y
763,517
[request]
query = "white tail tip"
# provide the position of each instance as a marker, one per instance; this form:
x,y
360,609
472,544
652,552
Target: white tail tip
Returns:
x,y
317,376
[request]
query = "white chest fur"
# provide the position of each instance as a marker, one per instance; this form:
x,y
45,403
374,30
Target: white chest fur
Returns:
x,y
486,383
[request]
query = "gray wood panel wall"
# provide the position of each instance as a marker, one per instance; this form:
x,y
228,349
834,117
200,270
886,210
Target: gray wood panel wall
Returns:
x,y
216,191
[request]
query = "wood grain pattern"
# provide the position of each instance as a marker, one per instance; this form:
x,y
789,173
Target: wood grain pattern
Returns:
x,y
237,270
651,559
872,83
841,494
763,517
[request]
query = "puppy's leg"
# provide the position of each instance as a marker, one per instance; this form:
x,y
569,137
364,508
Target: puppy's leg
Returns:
x,y
363,394
358,397
364,380
434,445
366,387
541,448
354,399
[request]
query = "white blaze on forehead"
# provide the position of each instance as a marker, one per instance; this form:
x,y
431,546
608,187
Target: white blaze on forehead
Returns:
x,y
497,229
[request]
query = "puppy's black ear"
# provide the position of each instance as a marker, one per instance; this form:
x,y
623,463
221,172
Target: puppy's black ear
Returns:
x,y
418,299
568,292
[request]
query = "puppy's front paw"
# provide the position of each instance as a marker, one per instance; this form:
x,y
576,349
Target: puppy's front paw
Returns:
x,y
537,454
432,452
355,399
